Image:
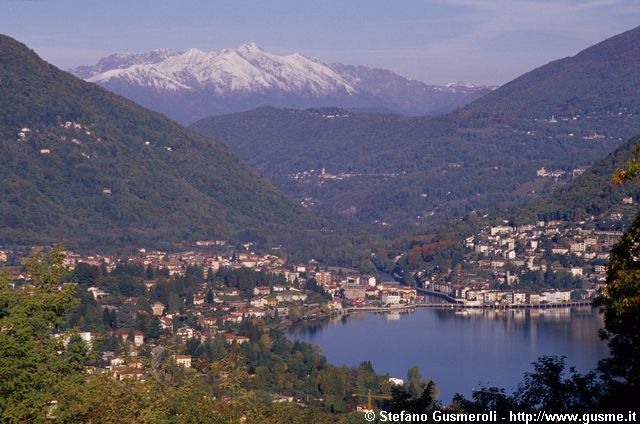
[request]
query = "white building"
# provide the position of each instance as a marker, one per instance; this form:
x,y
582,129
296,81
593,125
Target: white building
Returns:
x,y
576,271
390,298
501,229
183,360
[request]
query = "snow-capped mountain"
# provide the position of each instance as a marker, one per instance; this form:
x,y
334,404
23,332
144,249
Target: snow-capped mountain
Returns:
x,y
194,84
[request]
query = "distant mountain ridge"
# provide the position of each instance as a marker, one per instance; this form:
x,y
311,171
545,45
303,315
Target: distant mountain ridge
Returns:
x,y
86,167
195,84
405,171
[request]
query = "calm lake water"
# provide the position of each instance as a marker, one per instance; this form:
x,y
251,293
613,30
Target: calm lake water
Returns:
x,y
460,350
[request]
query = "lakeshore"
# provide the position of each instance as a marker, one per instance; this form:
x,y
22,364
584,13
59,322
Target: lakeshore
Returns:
x,y
409,307
453,303
460,349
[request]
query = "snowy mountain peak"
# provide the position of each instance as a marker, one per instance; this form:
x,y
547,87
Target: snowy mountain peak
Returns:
x,y
245,69
250,47
230,80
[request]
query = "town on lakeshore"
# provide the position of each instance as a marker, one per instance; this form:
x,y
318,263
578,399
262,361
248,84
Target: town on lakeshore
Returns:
x,y
234,285
544,264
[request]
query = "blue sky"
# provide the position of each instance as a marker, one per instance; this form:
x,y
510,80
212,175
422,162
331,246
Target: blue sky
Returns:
x,y
436,41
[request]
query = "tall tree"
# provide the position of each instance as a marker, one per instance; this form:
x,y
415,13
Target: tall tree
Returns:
x,y
619,299
35,366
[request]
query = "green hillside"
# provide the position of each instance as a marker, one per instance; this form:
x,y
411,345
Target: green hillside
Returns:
x,y
602,79
94,169
592,193
402,168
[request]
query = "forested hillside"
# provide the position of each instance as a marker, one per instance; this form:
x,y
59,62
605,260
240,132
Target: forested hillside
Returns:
x,y
592,193
411,170
82,166
601,79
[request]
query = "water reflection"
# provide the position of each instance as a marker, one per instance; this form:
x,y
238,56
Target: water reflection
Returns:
x,y
460,349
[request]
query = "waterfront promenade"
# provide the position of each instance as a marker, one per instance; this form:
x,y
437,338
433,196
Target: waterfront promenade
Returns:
x,y
452,303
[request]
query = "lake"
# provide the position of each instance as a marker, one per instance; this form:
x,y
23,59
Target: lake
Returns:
x,y
460,350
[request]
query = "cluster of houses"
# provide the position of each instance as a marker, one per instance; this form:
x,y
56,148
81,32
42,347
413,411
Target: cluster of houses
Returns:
x,y
480,295
176,263
359,292
68,131
352,286
323,175
528,247
558,173
215,310
64,134
501,255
